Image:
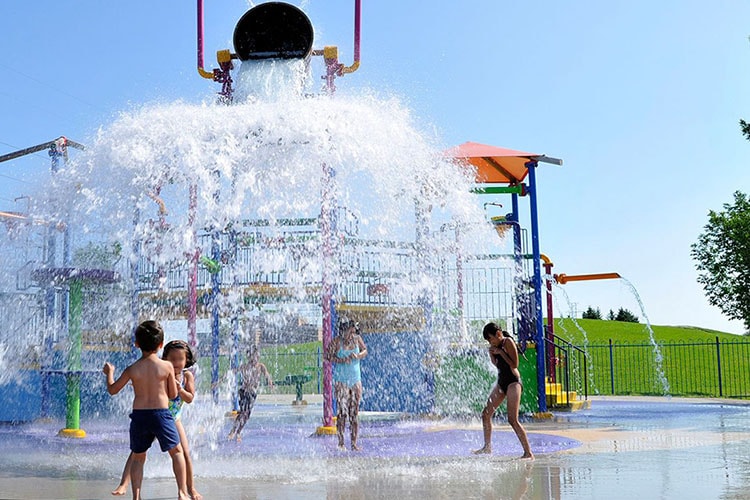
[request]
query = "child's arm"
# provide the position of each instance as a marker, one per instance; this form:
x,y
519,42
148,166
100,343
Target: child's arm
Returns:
x,y
330,354
510,357
493,358
187,393
266,374
362,348
115,386
171,382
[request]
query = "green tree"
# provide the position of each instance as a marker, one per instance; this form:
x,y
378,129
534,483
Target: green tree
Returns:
x,y
611,315
722,258
592,313
626,315
745,127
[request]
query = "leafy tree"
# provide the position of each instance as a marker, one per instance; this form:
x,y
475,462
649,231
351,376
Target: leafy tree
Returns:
x,y
745,129
592,313
625,315
611,315
722,257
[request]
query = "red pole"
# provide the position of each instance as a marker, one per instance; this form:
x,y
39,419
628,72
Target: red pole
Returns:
x,y
326,236
550,326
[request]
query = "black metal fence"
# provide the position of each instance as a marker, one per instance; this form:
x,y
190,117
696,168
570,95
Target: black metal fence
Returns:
x,y
717,368
714,368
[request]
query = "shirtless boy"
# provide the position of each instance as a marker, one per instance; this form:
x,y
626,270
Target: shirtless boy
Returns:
x,y
154,385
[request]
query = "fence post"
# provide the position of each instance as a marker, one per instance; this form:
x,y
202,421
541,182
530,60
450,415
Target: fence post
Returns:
x,y
611,367
718,366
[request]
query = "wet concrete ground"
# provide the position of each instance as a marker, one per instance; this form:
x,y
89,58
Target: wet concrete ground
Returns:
x,y
620,448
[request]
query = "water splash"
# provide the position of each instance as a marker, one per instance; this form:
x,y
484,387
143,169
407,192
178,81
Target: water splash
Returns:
x,y
658,358
584,335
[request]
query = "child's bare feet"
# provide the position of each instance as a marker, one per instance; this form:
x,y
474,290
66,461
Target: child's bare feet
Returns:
x,y
355,447
120,490
484,450
195,495
341,447
528,455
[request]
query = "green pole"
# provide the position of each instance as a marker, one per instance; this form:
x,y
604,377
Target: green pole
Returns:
x,y
518,189
73,393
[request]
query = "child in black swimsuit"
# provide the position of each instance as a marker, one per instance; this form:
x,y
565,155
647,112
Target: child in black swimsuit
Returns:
x,y
504,355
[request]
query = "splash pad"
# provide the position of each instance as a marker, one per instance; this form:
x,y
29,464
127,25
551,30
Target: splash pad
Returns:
x,y
274,198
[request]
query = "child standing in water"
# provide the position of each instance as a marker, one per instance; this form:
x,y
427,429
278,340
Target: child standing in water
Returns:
x,y
504,355
251,372
154,385
345,352
180,354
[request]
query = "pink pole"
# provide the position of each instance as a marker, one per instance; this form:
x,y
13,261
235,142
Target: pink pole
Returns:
x,y
200,33
357,23
326,235
550,326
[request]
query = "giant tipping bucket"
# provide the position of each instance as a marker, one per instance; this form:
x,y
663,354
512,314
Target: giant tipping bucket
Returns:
x,y
273,30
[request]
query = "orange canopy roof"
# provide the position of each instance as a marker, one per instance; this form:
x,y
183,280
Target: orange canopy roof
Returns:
x,y
497,165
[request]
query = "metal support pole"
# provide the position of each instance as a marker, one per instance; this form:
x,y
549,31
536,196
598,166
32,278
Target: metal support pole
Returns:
x,y
215,293
540,347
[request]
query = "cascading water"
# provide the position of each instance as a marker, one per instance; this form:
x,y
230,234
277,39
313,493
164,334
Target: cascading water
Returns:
x,y
585,344
658,358
155,179
263,158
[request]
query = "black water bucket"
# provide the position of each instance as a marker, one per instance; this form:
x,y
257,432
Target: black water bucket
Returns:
x,y
273,30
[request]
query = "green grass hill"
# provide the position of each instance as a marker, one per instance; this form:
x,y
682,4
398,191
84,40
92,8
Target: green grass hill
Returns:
x,y
596,331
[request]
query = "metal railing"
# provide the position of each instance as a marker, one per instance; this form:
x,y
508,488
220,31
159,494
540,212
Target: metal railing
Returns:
x,y
567,365
718,368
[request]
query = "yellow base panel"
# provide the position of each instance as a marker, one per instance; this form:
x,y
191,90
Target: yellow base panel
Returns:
x,y
325,430
72,433
542,415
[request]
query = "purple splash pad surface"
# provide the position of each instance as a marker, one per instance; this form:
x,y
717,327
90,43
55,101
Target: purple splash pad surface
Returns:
x,y
384,438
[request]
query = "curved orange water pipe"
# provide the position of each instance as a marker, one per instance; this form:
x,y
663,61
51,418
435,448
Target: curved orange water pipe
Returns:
x,y
564,278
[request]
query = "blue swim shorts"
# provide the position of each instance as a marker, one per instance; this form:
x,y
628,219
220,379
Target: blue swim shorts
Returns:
x,y
145,425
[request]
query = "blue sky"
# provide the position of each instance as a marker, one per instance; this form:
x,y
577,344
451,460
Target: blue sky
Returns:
x,y
640,99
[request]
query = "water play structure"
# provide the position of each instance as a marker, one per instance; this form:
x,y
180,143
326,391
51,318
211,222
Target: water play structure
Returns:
x,y
277,207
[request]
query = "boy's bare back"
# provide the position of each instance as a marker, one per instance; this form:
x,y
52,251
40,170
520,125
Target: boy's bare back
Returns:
x,y
153,382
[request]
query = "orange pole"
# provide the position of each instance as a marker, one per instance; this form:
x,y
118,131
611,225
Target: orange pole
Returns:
x,y
564,278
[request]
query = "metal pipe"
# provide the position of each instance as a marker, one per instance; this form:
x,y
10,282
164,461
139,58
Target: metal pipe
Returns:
x,y
564,278
205,74
539,338
357,24
61,142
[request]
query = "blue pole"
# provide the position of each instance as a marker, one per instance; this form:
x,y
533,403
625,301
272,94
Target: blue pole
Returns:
x,y
135,271
536,252
215,290
234,362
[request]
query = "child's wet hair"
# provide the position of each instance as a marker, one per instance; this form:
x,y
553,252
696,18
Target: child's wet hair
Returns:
x,y
180,345
491,329
149,335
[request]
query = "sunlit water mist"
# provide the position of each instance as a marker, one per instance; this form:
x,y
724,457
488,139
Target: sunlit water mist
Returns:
x,y
658,358
584,335
157,175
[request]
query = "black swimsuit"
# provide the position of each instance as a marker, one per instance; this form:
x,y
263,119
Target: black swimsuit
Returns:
x,y
505,375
